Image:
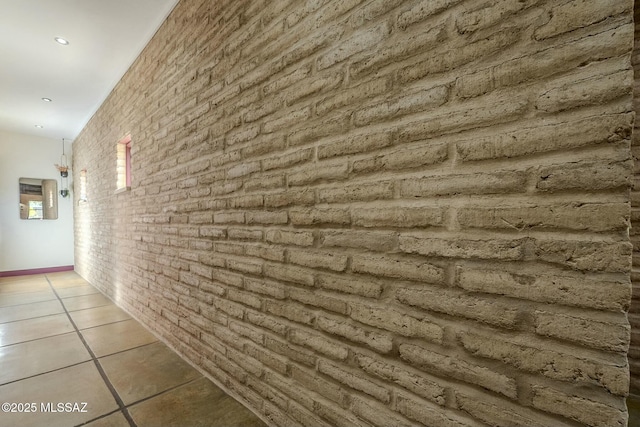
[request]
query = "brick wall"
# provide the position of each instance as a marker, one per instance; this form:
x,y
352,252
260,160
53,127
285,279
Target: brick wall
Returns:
x,y
378,212
634,310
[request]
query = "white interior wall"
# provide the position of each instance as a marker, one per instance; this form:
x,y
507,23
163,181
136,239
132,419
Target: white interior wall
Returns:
x,y
32,244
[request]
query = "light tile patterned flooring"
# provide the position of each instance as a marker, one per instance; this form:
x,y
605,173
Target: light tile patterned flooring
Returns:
x,y
62,342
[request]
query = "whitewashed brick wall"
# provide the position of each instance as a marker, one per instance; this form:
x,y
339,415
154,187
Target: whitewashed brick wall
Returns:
x,y
378,212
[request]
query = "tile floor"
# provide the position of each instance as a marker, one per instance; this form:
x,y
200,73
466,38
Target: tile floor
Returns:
x,y
62,342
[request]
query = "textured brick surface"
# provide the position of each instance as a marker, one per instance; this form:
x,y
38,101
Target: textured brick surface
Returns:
x,y
380,212
634,309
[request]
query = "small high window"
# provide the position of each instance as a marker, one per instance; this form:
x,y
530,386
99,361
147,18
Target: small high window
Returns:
x,y
124,163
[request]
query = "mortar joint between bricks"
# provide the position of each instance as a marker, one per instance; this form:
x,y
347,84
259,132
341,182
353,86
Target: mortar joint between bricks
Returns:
x,y
348,264
450,275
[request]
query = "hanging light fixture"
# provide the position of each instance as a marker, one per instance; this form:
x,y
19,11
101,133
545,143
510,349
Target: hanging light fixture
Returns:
x,y
63,167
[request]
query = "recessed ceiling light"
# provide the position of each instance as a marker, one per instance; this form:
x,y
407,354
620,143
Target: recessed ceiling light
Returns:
x,y
46,99
61,40
39,126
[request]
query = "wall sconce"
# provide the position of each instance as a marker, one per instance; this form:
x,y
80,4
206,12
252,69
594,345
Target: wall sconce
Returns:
x,y
83,186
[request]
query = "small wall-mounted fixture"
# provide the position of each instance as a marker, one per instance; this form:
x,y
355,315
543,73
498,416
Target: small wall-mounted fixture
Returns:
x,y
83,186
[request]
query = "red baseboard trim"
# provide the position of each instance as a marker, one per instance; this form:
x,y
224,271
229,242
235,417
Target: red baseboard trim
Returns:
x,y
36,271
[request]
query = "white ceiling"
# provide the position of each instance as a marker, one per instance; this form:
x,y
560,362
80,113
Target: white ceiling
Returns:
x,y
105,37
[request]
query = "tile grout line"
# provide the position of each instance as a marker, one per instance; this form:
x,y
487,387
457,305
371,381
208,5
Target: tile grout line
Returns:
x,y
115,411
75,364
170,389
44,373
63,333
44,315
110,386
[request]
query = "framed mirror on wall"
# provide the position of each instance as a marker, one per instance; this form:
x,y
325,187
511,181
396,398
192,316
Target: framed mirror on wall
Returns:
x,y
38,198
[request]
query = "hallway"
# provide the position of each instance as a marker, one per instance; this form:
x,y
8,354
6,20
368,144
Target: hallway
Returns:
x,y
70,357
